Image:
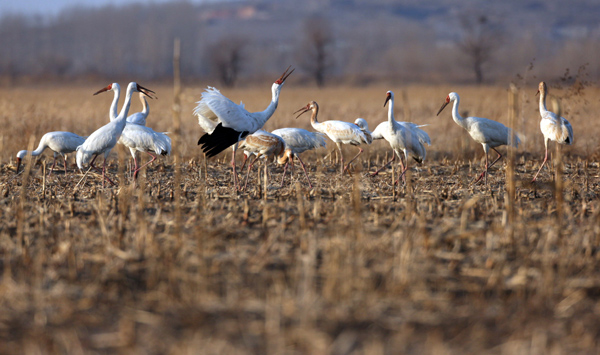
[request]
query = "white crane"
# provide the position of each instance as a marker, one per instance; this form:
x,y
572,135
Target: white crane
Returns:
x,y
490,134
338,131
136,136
261,143
298,140
106,137
234,122
59,142
553,127
402,136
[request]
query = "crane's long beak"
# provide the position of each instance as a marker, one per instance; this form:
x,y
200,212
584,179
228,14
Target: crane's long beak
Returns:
x,y
537,93
18,165
386,100
147,92
103,90
285,75
441,108
304,109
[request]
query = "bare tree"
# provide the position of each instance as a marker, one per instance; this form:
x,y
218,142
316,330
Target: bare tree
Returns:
x,y
480,39
226,58
315,49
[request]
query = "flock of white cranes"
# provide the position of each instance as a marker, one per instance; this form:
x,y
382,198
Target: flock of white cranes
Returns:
x,y
227,124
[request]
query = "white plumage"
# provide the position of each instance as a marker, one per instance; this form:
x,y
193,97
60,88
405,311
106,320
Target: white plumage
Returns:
x,y
298,140
553,127
490,134
402,136
364,126
231,122
105,138
136,136
339,132
59,142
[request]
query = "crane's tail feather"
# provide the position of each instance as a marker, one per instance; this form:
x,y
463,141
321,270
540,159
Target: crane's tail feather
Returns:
x,y
220,139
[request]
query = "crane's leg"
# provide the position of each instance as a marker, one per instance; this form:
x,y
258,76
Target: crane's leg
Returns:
x,y
245,160
360,150
135,173
339,146
104,174
65,159
235,177
543,163
53,165
248,172
284,171
305,173
498,158
404,169
94,166
484,173
386,164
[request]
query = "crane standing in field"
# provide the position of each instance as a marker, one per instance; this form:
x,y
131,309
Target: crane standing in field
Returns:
x,y
488,133
261,143
553,127
339,132
136,136
402,136
105,138
59,142
298,140
234,121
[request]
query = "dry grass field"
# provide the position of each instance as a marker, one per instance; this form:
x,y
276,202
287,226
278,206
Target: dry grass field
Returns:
x,y
182,264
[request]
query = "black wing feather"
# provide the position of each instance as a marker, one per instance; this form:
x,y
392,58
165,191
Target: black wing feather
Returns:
x,y
220,139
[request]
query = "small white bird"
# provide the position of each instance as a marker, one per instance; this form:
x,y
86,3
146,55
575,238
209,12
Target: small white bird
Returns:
x,y
402,136
490,134
234,121
261,143
105,138
298,140
59,142
553,127
136,136
338,131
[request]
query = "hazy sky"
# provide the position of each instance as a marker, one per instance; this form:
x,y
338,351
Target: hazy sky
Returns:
x,y
53,7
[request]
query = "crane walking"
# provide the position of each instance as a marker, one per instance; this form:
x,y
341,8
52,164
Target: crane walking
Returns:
x,y
105,138
402,136
298,140
488,133
59,142
339,132
261,143
234,121
553,127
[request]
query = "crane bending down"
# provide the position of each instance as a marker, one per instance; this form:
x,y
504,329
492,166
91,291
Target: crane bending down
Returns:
x,y
234,122
364,126
105,138
338,131
59,142
298,140
136,136
490,134
261,143
553,127
402,136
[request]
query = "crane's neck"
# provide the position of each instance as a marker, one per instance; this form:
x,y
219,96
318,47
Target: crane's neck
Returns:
x,y
145,107
391,119
263,116
455,115
313,118
543,108
122,117
113,107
